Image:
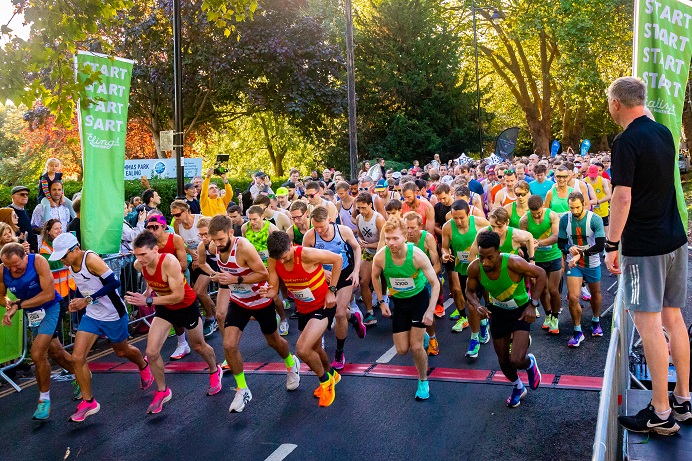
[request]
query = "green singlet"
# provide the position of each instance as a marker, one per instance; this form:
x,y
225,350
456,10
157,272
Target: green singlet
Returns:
x,y
514,218
542,231
557,204
403,281
461,244
506,246
259,240
297,236
421,243
504,292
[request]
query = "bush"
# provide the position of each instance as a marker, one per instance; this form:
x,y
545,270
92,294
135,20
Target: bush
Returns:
x,y
70,188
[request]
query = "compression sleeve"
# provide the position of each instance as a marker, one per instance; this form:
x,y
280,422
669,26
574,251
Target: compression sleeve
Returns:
x,y
596,248
110,285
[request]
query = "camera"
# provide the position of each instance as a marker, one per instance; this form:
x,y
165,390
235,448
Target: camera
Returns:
x,y
220,160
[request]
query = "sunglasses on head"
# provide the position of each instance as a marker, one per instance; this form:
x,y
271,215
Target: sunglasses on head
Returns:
x,y
271,196
154,227
509,171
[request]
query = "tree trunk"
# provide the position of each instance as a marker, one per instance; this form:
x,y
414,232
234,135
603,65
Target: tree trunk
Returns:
x,y
573,127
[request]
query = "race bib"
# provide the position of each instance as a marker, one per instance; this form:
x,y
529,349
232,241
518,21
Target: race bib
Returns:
x,y
463,256
544,247
402,284
509,304
305,295
241,289
264,255
35,317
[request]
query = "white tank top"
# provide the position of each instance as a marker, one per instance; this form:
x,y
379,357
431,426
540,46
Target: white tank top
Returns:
x,y
191,235
368,229
107,308
345,216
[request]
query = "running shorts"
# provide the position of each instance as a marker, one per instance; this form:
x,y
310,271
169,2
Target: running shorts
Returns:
x,y
50,322
238,317
319,314
504,322
551,266
114,330
345,272
187,317
408,312
589,274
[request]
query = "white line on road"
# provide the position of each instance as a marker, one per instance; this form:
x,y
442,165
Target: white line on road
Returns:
x,y
387,356
448,303
281,452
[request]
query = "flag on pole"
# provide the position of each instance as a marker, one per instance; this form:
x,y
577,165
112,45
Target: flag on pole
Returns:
x,y
102,129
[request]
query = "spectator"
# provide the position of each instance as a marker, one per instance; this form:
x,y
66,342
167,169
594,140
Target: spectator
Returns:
x,y
130,231
9,216
60,212
191,198
259,187
151,200
211,203
7,236
74,225
63,282
51,174
20,197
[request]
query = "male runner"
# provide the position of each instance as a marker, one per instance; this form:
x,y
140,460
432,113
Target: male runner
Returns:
x,y
413,203
542,184
176,306
581,238
544,226
520,206
512,241
601,188
510,309
275,217
301,222
302,272
506,194
30,282
314,199
345,205
340,240
407,270
97,291
556,197
369,224
240,277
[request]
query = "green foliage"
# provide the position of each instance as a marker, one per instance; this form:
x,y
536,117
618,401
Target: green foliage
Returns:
x,y
70,188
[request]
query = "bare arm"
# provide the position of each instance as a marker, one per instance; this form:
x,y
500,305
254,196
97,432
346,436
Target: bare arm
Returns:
x,y
377,266
347,235
273,283
446,242
431,247
180,251
422,262
47,285
430,219
619,211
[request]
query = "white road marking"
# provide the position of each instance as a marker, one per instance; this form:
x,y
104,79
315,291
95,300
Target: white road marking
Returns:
x,y
387,356
281,452
448,303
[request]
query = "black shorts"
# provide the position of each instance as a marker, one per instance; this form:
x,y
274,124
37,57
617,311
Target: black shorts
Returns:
x,y
187,317
503,322
345,272
480,291
408,312
195,273
319,314
551,266
238,317
606,220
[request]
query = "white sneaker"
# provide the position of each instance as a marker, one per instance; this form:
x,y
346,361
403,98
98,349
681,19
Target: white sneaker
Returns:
x,y
283,327
585,293
293,376
242,398
181,351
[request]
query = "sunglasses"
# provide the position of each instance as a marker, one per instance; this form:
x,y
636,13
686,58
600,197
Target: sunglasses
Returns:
x,y
363,188
561,176
154,228
312,195
68,252
521,195
271,196
509,171
23,194
177,215
500,176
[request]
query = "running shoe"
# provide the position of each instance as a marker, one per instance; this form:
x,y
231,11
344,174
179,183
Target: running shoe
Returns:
x,y
293,375
681,411
353,307
160,398
207,329
546,322
215,381
358,324
84,410
328,393
585,293
462,323
293,316
426,340
439,311
172,332
647,421
181,351
515,397
225,365
283,327
534,373
287,305
576,339
554,326
474,348
339,360
242,398
369,320
335,376
42,410
146,378
423,391
455,315
76,391
484,333
434,347
596,329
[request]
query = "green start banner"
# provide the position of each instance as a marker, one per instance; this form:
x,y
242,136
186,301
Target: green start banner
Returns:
x,y
661,57
102,129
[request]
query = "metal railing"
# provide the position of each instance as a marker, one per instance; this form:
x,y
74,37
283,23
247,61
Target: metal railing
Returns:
x,y
609,442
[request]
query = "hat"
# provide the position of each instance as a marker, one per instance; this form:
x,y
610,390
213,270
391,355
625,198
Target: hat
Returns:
x,y
490,169
281,191
593,171
16,189
447,180
259,174
396,175
188,186
381,185
158,219
288,185
61,245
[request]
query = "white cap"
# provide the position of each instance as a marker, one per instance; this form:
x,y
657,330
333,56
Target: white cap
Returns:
x,y
61,245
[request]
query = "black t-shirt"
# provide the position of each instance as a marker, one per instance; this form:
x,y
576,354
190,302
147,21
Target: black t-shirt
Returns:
x,y
644,159
74,226
441,213
194,206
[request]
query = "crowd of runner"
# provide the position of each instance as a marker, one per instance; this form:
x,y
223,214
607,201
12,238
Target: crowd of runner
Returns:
x,y
505,236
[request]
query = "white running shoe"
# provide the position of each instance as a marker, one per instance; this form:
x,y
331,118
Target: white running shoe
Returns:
x,y
283,327
293,376
181,351
585,293
242,398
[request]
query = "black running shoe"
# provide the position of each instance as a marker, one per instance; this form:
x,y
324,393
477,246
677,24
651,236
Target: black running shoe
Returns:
x,y
647,421
681,411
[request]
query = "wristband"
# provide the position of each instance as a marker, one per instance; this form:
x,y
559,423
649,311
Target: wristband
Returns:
x,y
611,246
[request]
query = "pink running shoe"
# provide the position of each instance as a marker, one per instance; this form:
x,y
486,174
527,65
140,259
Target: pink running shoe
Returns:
x,y
361,329
146,378
215,381
160,398
85,409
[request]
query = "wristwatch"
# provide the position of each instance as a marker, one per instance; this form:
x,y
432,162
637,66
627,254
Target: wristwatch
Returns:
x,y
534,303
89,299
18,303
240,279
149,301
333,289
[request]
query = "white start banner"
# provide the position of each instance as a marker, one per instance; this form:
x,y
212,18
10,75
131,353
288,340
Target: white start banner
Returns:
x,y
163,168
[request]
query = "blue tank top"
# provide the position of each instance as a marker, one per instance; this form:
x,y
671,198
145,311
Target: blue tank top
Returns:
x,y
28,285
336,245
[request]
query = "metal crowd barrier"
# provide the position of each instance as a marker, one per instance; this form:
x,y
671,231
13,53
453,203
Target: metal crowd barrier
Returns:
x,y
609,441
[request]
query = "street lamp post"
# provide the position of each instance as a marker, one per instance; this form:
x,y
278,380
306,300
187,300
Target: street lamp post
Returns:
x,y
178,98
351,83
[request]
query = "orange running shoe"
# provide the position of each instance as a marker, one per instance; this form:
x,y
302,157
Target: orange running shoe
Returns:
x,y
439,311
328,393
433,347
337,378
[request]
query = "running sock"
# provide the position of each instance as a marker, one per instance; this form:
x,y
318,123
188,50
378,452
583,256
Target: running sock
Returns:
x,y
518,384
324,378
44,395
289,361
433,337
340,344
371,312
663,414
681,400
182,340
577,328
240,380
595,319
90,400
475,335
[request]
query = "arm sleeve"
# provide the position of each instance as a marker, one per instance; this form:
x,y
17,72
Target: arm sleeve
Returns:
x,y
599,233
596,247
562,237
110,285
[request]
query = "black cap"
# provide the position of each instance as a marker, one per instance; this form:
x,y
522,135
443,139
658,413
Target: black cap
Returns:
x,y
289,184
16,189
188,186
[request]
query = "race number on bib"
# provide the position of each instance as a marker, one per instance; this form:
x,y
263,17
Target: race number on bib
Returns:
x,y
35,317
509,304
241,289
402,284
305,295
463,256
